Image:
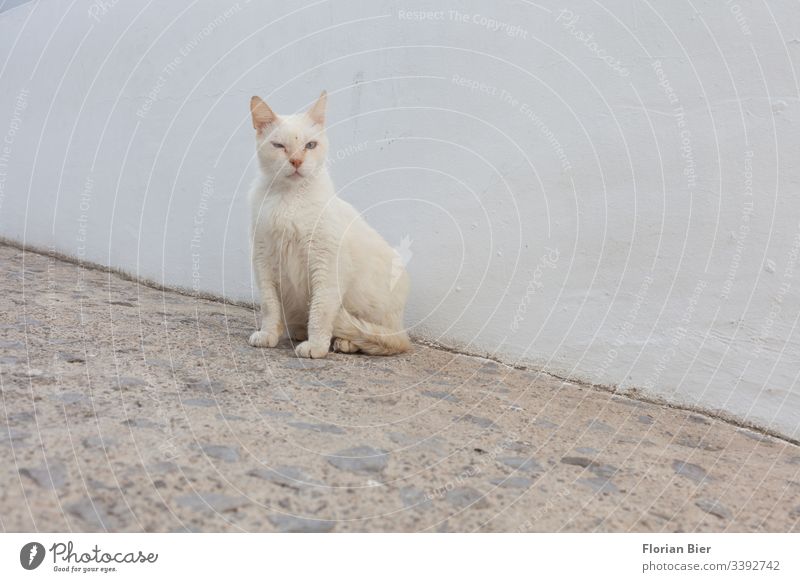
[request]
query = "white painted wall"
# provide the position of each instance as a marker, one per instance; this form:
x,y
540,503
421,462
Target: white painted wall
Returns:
x,y
611,194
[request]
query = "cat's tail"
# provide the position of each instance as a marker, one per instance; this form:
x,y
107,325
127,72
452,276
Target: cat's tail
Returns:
x,y
371,338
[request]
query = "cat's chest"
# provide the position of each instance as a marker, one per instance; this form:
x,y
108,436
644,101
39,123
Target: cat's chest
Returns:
x,y
277,218
285,231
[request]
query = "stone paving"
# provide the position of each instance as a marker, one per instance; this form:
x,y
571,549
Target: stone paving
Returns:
x,y
125,408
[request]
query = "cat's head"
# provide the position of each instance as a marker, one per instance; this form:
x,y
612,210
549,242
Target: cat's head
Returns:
x,y
290,147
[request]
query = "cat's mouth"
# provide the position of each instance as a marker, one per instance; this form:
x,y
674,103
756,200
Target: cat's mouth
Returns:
x,y
296,174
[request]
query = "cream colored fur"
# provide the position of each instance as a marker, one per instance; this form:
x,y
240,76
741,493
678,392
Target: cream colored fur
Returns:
x,y
325,277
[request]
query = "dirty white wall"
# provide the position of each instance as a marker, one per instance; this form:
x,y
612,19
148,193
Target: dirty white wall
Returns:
x,y
606,190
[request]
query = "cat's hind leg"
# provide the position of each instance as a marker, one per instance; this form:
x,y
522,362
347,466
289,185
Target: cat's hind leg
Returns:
x,y
372,338
344,346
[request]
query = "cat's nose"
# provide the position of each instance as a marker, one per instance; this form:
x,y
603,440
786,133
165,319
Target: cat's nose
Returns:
x,y
296,162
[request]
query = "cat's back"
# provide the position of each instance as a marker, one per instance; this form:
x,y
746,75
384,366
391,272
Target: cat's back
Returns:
x,y
353,223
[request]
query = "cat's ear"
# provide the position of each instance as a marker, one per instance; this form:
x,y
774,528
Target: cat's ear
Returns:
x,y
262,114
317,111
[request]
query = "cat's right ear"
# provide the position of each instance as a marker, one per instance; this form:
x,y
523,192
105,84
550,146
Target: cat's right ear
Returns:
x,y
262,114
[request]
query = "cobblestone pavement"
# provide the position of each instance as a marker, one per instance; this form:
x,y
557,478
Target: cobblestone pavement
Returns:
x,y
126,408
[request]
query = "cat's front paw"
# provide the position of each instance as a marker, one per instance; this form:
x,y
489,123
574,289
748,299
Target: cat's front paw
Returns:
x,y
308,349
263,339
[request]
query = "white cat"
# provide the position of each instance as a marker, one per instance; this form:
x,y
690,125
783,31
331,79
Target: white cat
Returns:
x,y
324,275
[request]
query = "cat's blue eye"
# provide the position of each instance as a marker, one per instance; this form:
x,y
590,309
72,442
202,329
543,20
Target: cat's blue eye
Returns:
x,y
278,145
311,145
